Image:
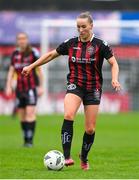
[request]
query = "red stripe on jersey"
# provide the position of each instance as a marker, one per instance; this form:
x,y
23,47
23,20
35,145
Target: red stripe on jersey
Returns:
x,y
71,66
96,69
32,80
78,56
88,68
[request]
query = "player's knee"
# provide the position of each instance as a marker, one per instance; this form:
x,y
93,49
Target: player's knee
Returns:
x,y
90,130
69,115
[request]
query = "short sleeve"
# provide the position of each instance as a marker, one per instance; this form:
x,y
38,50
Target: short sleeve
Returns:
x,y
106,50
62,49
36,53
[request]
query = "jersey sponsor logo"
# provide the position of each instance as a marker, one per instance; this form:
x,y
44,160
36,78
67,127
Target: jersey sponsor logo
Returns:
x,y
71,86
82,60
20,65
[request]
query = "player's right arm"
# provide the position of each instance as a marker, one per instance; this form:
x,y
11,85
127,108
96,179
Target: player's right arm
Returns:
x,y
42,60
9,81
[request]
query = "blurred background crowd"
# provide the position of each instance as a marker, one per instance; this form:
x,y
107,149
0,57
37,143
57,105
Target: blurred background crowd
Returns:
x,y
27,16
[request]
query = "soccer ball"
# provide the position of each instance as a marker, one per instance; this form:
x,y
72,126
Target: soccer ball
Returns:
x,y
54,160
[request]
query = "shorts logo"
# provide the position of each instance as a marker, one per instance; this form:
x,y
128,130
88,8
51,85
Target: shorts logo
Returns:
x,y
71,87
31,96
97,94
73,59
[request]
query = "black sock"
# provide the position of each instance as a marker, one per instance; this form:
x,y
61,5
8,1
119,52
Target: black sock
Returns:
x,y
28,130
86,146
66,136
24,127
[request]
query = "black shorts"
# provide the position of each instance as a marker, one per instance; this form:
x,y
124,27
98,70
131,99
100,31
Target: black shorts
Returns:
x,y
89,97
26,98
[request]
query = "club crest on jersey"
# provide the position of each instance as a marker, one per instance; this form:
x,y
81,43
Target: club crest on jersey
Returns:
x,y
71,87
91,50
17,57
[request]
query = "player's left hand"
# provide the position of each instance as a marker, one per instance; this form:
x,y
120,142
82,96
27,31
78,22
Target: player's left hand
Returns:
x,y
26,70
40,91
116,85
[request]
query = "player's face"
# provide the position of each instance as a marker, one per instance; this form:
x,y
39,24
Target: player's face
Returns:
x,y
22,41
84,28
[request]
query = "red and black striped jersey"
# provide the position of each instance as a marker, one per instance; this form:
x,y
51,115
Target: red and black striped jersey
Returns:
x,y
20,60
85,61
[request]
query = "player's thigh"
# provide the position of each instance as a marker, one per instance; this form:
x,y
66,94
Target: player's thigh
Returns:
x,y
72,103
30,112
21,114
91,112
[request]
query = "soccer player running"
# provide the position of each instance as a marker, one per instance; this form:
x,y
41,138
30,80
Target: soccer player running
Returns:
x,y
86,55
28,88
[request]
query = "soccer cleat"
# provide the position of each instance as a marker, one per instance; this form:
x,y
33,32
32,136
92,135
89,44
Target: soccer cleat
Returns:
x,y
69,162
28,145
84,164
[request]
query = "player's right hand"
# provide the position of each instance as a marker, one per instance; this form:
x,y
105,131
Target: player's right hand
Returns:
x,y
26,70
116,85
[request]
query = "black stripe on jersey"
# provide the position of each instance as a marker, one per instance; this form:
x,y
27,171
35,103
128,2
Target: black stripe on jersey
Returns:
x,y
75,65
93,67
83,55
36,79
29,77
25,81
29,84
22,80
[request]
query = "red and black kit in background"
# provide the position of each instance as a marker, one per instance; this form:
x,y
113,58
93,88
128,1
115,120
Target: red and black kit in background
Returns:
x,y
26,85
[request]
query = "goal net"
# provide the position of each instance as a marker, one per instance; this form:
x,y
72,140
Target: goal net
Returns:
x,y
123,36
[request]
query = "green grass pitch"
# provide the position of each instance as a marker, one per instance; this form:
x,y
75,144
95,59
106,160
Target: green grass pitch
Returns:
x,y
115,153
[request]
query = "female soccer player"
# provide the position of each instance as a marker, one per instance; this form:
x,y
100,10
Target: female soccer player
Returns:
x,y
28,88
86,54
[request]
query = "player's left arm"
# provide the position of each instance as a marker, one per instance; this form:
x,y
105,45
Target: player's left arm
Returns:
x,y
115,73
44,59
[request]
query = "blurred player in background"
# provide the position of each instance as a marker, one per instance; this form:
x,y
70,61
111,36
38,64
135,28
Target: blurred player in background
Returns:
x,y
86,55
28,88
